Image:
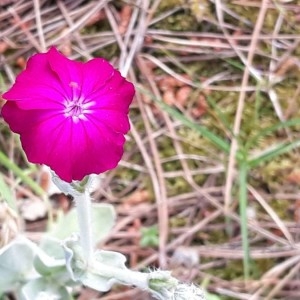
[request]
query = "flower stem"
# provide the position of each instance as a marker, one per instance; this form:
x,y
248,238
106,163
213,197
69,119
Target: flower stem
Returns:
x,y
84,215
123,275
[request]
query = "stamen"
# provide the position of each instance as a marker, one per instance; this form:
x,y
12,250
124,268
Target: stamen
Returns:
x,y
75,89
73,84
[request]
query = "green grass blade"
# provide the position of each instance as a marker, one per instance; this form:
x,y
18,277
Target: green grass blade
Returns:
x,y
4,160
225,122
251,142
235,64
216,140
6,194
273,152
243,202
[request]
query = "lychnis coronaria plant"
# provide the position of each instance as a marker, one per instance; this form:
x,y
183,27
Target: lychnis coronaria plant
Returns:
x,y
70,115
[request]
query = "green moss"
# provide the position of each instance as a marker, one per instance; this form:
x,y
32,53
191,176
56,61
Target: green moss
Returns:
x,y
176,222
233,269
182,20
194,143
108,52
177,186
168,4
215,237
282,207
274,173
165,146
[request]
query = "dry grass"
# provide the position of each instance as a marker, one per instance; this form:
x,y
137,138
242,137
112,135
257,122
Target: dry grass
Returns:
x,y
232,66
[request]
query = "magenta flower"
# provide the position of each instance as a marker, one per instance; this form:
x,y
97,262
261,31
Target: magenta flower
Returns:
x,y
71,116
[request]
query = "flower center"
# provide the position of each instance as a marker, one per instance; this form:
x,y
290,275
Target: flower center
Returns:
x,y
74,109
77,107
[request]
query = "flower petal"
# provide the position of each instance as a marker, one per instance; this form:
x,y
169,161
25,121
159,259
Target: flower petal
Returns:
x,y
69,72
115,99
37,87
115,120
43,138
95,149
96,73
20,120
51,143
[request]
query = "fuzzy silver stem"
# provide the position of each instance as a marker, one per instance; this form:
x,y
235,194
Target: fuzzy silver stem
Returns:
x,y
122,275
84,215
